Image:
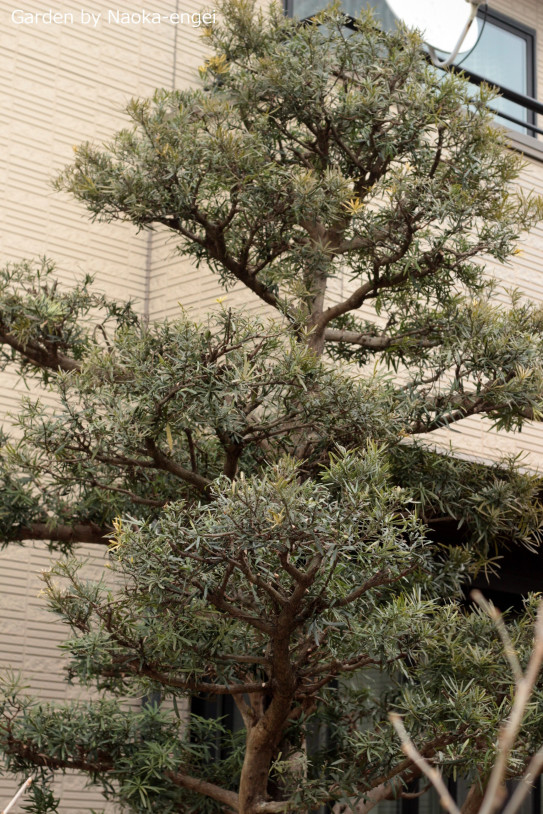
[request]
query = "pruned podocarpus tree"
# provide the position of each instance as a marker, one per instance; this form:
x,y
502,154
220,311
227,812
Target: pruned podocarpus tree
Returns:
x,y
265,486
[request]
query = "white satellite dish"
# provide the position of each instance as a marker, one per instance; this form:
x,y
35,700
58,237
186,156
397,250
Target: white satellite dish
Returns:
x,y
447,25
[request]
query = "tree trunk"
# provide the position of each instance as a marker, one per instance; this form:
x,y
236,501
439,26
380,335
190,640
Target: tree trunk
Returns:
x,y
253,784
317,283
316,341
473,801
264,736
385,791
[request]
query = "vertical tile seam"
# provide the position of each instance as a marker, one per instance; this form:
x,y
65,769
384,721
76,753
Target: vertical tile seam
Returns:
x,y
147,286
149,252
174,64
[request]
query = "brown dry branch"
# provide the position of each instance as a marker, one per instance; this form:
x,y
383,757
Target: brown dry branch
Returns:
x,y
494,793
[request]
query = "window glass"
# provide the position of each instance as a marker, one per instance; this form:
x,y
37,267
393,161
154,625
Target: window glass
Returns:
x,y
306,8
502,55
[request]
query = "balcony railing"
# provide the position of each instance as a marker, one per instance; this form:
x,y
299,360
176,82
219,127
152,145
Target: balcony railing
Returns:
x,y
531,105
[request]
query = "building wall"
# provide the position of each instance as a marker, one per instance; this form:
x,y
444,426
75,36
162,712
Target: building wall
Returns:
x,y
61,85
474,437
29,636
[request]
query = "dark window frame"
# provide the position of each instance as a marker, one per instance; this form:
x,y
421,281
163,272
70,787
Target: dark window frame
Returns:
x,y
529,35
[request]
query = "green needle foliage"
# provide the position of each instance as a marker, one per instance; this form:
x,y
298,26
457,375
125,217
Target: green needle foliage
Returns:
x,y
267,487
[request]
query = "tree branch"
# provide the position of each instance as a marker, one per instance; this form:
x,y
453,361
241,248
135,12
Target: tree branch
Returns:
x,y
372,342
456,408
384,791
45,358
431,773
215,245
188,685
144,501
380,578
231,610
169,465
186,781
77,533
370,289
523,691
28,751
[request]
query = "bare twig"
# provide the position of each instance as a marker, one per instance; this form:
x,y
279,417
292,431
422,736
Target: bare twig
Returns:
x,y
526,783
409,749
524,685
384,791
19,794
497,618
508,734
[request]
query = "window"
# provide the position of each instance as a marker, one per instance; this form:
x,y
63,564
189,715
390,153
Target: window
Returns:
x,y
306,8
504,55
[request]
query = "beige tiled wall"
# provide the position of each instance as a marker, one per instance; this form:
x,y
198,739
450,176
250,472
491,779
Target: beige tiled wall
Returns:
x,y
474,436
29,639
59,86
64,84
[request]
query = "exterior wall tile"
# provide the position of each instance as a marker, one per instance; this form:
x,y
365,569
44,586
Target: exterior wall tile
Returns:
x,y
60,86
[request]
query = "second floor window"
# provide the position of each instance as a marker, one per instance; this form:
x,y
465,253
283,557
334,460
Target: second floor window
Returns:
x,y
504,54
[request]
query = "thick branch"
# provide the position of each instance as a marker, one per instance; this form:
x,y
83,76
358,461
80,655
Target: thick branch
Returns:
x,y
350,304
190,685
434,262
215,244
169,465
231,610
28,751
46,358
455,408
380,578
78,533
186,781
372,342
